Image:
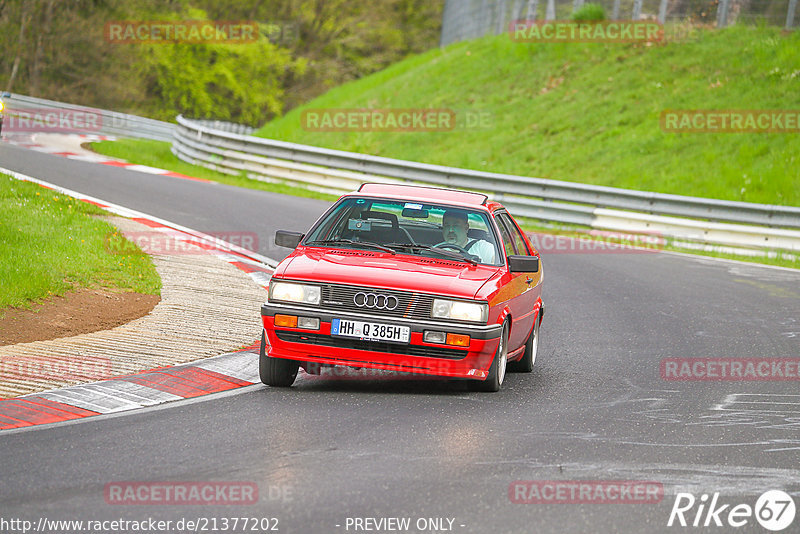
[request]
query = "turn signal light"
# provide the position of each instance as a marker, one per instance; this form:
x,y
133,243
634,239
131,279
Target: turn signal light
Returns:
x,y
286,320
459,340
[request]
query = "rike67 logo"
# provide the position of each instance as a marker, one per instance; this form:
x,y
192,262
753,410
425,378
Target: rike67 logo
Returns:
x,y
774,510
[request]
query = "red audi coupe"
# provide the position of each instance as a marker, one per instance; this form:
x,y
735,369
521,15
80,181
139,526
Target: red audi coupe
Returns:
x,y
405,278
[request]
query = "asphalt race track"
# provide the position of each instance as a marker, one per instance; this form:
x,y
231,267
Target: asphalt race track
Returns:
x,y
595,408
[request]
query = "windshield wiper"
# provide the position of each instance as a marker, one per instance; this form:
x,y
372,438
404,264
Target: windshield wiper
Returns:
x,y
351,242
444,252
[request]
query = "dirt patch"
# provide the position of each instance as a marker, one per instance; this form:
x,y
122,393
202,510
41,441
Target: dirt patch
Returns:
x,y
78,312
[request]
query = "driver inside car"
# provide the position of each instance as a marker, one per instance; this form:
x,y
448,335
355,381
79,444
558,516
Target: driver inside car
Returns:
x,y
455,228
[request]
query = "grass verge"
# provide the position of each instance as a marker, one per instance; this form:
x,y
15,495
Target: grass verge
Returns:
x,y
588,112
51,243
158,154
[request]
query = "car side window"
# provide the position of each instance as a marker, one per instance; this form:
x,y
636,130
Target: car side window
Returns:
x,y
508,241
519,241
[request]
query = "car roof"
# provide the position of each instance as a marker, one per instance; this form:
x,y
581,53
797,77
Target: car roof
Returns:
x,y
423,194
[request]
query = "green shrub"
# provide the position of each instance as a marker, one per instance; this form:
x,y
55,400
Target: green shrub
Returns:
x,y
589,13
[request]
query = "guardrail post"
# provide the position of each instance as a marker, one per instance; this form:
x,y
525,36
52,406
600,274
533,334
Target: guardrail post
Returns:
x,y
722,13
790,14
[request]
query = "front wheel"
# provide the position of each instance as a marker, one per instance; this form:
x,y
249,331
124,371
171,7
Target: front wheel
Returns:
x,y
525,364
275,372
497,371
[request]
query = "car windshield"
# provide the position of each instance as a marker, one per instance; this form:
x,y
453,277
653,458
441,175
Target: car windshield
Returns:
x,y
431,230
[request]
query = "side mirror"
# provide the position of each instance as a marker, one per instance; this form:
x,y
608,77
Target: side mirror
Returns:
x,y
284,238
523,264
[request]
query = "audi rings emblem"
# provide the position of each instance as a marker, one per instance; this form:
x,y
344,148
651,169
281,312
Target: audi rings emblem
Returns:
x,y
375,301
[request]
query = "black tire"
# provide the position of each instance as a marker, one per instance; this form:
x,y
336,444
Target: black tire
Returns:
x,y
525,364
497,371
276,372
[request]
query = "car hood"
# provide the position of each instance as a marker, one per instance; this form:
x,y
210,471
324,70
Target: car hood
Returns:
x,y
382,270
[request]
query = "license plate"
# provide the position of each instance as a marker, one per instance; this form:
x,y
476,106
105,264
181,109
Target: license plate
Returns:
x,y
370,331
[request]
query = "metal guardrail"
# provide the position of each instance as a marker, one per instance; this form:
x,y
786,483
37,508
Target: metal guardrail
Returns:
x,y
566,202
228,148
96,121
230,127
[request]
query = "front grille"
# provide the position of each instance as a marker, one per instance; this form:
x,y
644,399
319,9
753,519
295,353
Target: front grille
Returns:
x,y
373,346
410,305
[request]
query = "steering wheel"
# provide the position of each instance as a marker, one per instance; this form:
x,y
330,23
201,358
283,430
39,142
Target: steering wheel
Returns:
x,y
408,235
445,244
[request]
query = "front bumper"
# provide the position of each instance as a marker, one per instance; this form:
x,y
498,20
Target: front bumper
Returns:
x,y
417,356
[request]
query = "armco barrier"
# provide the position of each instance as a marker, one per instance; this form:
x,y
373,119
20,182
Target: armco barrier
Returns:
x,y
230,149
109,123
688,218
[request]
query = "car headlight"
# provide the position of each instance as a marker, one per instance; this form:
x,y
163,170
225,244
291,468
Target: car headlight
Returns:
x,y
458,310
291,292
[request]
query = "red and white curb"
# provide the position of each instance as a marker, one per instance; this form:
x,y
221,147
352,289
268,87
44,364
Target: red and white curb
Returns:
x,y
29,142
211,375
130,392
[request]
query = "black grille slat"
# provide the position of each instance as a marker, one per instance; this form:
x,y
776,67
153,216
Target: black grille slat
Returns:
x,y
373,346
422,307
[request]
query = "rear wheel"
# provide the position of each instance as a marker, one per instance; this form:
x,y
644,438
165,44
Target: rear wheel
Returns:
x,y
275,372
525,364
497,371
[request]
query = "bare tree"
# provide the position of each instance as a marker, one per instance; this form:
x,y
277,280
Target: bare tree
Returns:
x,y
36,67
24,20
